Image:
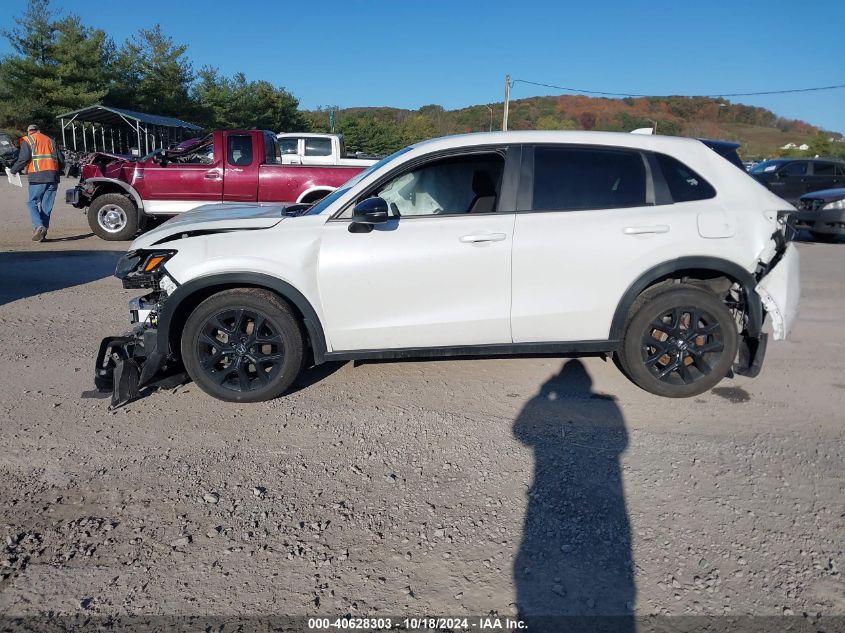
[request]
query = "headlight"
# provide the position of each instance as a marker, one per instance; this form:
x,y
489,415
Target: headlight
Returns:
x,y
837,204
140,269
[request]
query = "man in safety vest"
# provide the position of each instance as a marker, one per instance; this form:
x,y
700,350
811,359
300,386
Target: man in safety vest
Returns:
x,y
43,163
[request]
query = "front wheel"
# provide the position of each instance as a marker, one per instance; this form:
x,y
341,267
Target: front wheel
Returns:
x,y
113,217
243,345
679,343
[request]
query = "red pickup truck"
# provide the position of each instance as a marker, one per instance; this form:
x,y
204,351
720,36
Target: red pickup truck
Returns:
x,y
122,193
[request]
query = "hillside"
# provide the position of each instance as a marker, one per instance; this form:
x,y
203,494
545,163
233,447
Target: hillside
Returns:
x,y
761,132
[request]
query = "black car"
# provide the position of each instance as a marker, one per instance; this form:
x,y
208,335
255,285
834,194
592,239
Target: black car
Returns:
x,y
791,178
8,151
822,213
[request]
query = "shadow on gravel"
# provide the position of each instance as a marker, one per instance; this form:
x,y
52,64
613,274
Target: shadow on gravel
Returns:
x,y
29,273
575,556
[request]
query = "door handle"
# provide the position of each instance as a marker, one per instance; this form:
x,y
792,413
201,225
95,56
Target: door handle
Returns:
x,y
644,230
212,175
483,237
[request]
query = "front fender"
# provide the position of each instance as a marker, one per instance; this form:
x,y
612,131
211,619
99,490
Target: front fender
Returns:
x,y
183,299
99,180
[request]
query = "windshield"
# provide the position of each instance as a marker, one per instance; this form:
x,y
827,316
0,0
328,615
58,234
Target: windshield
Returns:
x,y
326,202
765,167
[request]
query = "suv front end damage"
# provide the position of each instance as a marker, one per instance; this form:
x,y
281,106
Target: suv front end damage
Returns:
x,y
129,363
780,291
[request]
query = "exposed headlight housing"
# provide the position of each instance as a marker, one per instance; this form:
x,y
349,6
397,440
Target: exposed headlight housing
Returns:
x,y
142,269
836,204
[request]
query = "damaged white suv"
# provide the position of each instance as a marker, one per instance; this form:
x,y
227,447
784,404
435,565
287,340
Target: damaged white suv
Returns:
x,y
651,248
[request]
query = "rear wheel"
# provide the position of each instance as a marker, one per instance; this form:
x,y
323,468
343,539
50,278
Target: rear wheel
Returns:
x,y
113,217
243,345
679,343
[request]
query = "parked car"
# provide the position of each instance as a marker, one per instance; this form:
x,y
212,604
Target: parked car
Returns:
x,y
121,193
791,178
822,213
318,149
8,151
653,249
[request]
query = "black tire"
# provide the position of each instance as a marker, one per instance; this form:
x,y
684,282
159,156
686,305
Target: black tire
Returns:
x,y
113,217
679,343
261,363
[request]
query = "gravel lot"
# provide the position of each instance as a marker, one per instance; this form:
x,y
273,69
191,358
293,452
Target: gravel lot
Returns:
x,y
440,488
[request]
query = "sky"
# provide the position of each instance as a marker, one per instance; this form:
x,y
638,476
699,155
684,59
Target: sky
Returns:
x,y
456,53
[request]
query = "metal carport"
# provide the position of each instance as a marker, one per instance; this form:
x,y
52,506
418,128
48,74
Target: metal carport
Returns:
x,y
135,130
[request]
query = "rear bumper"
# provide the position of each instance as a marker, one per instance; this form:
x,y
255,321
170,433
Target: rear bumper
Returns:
x,y
780,292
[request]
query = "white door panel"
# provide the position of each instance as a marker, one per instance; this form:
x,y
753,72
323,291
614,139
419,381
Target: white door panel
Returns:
x,y
418,282
571,268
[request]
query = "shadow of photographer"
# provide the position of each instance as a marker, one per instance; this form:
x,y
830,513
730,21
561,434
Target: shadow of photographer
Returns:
x,y
574,568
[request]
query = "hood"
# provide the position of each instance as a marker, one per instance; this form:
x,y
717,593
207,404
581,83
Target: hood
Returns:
x,y
828,195
213,218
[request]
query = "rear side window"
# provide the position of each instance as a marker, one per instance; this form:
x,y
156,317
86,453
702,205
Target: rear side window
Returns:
x,y
823,169
271,150
568,179
684,184
318,146
840,170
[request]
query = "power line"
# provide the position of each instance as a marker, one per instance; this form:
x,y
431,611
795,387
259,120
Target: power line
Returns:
x,y
711,96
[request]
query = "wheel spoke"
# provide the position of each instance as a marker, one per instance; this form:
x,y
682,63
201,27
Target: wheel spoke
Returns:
x,y
212,359
668,369
243,377
222,375
686,375
701,364
264,358
715,346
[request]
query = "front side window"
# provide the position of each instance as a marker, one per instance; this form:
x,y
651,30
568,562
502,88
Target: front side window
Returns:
x,y
455,185
318,146
288,146
239,150
794,169
840,170
569,179
684,184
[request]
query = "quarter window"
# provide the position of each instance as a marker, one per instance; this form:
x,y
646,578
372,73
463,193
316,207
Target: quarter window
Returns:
x,y
461,184
318,146
567,179
684,184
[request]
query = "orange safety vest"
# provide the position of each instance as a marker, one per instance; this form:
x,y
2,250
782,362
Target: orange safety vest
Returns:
x,y
44,156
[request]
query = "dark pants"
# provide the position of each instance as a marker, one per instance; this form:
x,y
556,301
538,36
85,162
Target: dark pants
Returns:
x,y
41,197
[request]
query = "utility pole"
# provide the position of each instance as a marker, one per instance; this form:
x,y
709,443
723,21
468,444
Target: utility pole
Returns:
x,y
507,99
491,116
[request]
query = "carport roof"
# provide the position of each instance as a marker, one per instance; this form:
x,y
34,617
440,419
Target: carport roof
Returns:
x,y
118,116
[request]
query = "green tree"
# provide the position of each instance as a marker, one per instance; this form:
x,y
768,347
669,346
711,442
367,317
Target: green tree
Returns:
x,y
153,74
56,65
554,123
820,145
416,128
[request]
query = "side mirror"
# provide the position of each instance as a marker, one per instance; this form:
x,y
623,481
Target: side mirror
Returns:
x,y
370,211
160,158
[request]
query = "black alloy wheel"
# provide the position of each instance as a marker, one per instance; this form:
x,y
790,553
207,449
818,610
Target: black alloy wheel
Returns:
x,y
240,349
243,345
679,343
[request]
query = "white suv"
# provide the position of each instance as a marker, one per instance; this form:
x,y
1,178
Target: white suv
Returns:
x,y
651,248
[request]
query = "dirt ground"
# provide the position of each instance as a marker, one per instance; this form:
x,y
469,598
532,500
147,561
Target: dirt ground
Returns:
x,y
440,488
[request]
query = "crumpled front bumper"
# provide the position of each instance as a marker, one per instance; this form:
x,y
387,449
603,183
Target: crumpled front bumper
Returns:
x,y
824,221
780,292
129,363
